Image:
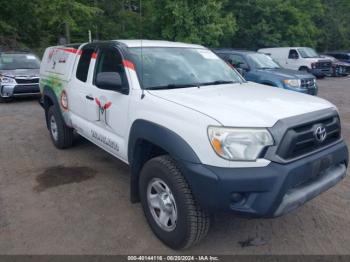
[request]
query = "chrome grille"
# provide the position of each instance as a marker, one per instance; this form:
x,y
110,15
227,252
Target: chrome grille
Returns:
x,y
308,83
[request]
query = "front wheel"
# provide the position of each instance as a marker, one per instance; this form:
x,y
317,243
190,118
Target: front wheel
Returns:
x,y
304,69
61,134
171,211
5,99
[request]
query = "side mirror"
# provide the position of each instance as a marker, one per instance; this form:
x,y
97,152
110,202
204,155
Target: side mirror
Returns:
x,y
294,56
110,81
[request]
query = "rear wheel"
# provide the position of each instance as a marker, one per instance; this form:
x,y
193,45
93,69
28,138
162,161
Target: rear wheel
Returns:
x,y
171,211
61,134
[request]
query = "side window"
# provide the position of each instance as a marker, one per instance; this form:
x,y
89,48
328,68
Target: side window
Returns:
x,y
237,61
221,55
110,60
84,63
293,54
346,57
336,56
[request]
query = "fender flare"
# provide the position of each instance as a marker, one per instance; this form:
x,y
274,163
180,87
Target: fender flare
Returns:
x,y
160,136
48,92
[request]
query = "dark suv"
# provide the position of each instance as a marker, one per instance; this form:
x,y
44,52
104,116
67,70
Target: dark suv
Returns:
x,y
341,56
261,68
19,75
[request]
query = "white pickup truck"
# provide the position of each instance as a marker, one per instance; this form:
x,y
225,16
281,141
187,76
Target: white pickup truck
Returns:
x,y
199,139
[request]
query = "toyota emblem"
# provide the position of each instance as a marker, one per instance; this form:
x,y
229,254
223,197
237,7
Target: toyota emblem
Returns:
x,y
320,134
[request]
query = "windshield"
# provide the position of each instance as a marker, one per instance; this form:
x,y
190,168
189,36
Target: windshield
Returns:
x,y
262,61
307,52
18,61
168,67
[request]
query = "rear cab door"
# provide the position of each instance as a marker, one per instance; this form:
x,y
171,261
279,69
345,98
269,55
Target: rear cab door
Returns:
x,y
79,91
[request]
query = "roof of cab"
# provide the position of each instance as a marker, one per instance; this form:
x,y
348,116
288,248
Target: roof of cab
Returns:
x,y
156,43
232,50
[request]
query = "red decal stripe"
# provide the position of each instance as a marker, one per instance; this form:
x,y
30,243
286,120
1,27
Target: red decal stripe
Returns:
x,y
94,55
69,50
128,64
97,102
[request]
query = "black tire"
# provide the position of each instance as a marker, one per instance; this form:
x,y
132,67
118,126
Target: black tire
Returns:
x,y
5,99
64,135
192,222
304,69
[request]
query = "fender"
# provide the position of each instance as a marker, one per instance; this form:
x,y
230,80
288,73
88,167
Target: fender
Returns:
x,y
159,136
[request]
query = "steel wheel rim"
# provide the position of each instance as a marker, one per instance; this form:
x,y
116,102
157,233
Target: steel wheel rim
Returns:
x,y
162,205
53,127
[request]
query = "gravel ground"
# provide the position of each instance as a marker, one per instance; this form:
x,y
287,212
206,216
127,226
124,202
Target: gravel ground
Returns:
x,y
77,201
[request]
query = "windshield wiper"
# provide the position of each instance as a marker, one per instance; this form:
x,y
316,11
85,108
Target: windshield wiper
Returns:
x,y
171,86
218,82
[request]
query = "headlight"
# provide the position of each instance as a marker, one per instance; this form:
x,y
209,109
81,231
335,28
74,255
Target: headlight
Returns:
x,y
294,83
239,143
7,80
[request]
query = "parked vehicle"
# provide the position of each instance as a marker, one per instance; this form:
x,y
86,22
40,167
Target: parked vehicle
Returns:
x,y
198,138
343,56
261,68
19,75
300,58
338,68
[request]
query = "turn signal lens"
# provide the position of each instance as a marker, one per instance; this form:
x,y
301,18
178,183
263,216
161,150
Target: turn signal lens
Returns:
x,y
64,100
217,146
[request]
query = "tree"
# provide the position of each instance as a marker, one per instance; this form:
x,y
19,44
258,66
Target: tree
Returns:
x,y
335,33
202,22
267,23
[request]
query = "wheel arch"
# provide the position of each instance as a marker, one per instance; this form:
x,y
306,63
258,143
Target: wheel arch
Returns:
x,y
148,140
304,67
49,98
269,83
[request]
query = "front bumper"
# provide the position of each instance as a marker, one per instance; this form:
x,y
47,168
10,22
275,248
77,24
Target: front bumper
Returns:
x,y
310,91
266,191
321,71
19,90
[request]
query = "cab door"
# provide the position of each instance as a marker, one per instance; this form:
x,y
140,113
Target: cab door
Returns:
x,y
110,107
79,91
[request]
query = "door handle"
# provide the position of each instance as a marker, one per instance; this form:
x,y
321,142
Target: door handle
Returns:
x,y
89,97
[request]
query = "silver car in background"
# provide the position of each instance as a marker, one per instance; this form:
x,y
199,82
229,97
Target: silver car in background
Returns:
x,y
19,75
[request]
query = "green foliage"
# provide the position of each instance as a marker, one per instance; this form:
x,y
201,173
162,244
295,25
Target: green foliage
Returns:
x,y
202,22
249,24
268,23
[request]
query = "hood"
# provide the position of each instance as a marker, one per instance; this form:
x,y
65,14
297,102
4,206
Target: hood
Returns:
x,y
20,72
244,105
286,73
340,63
318,59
